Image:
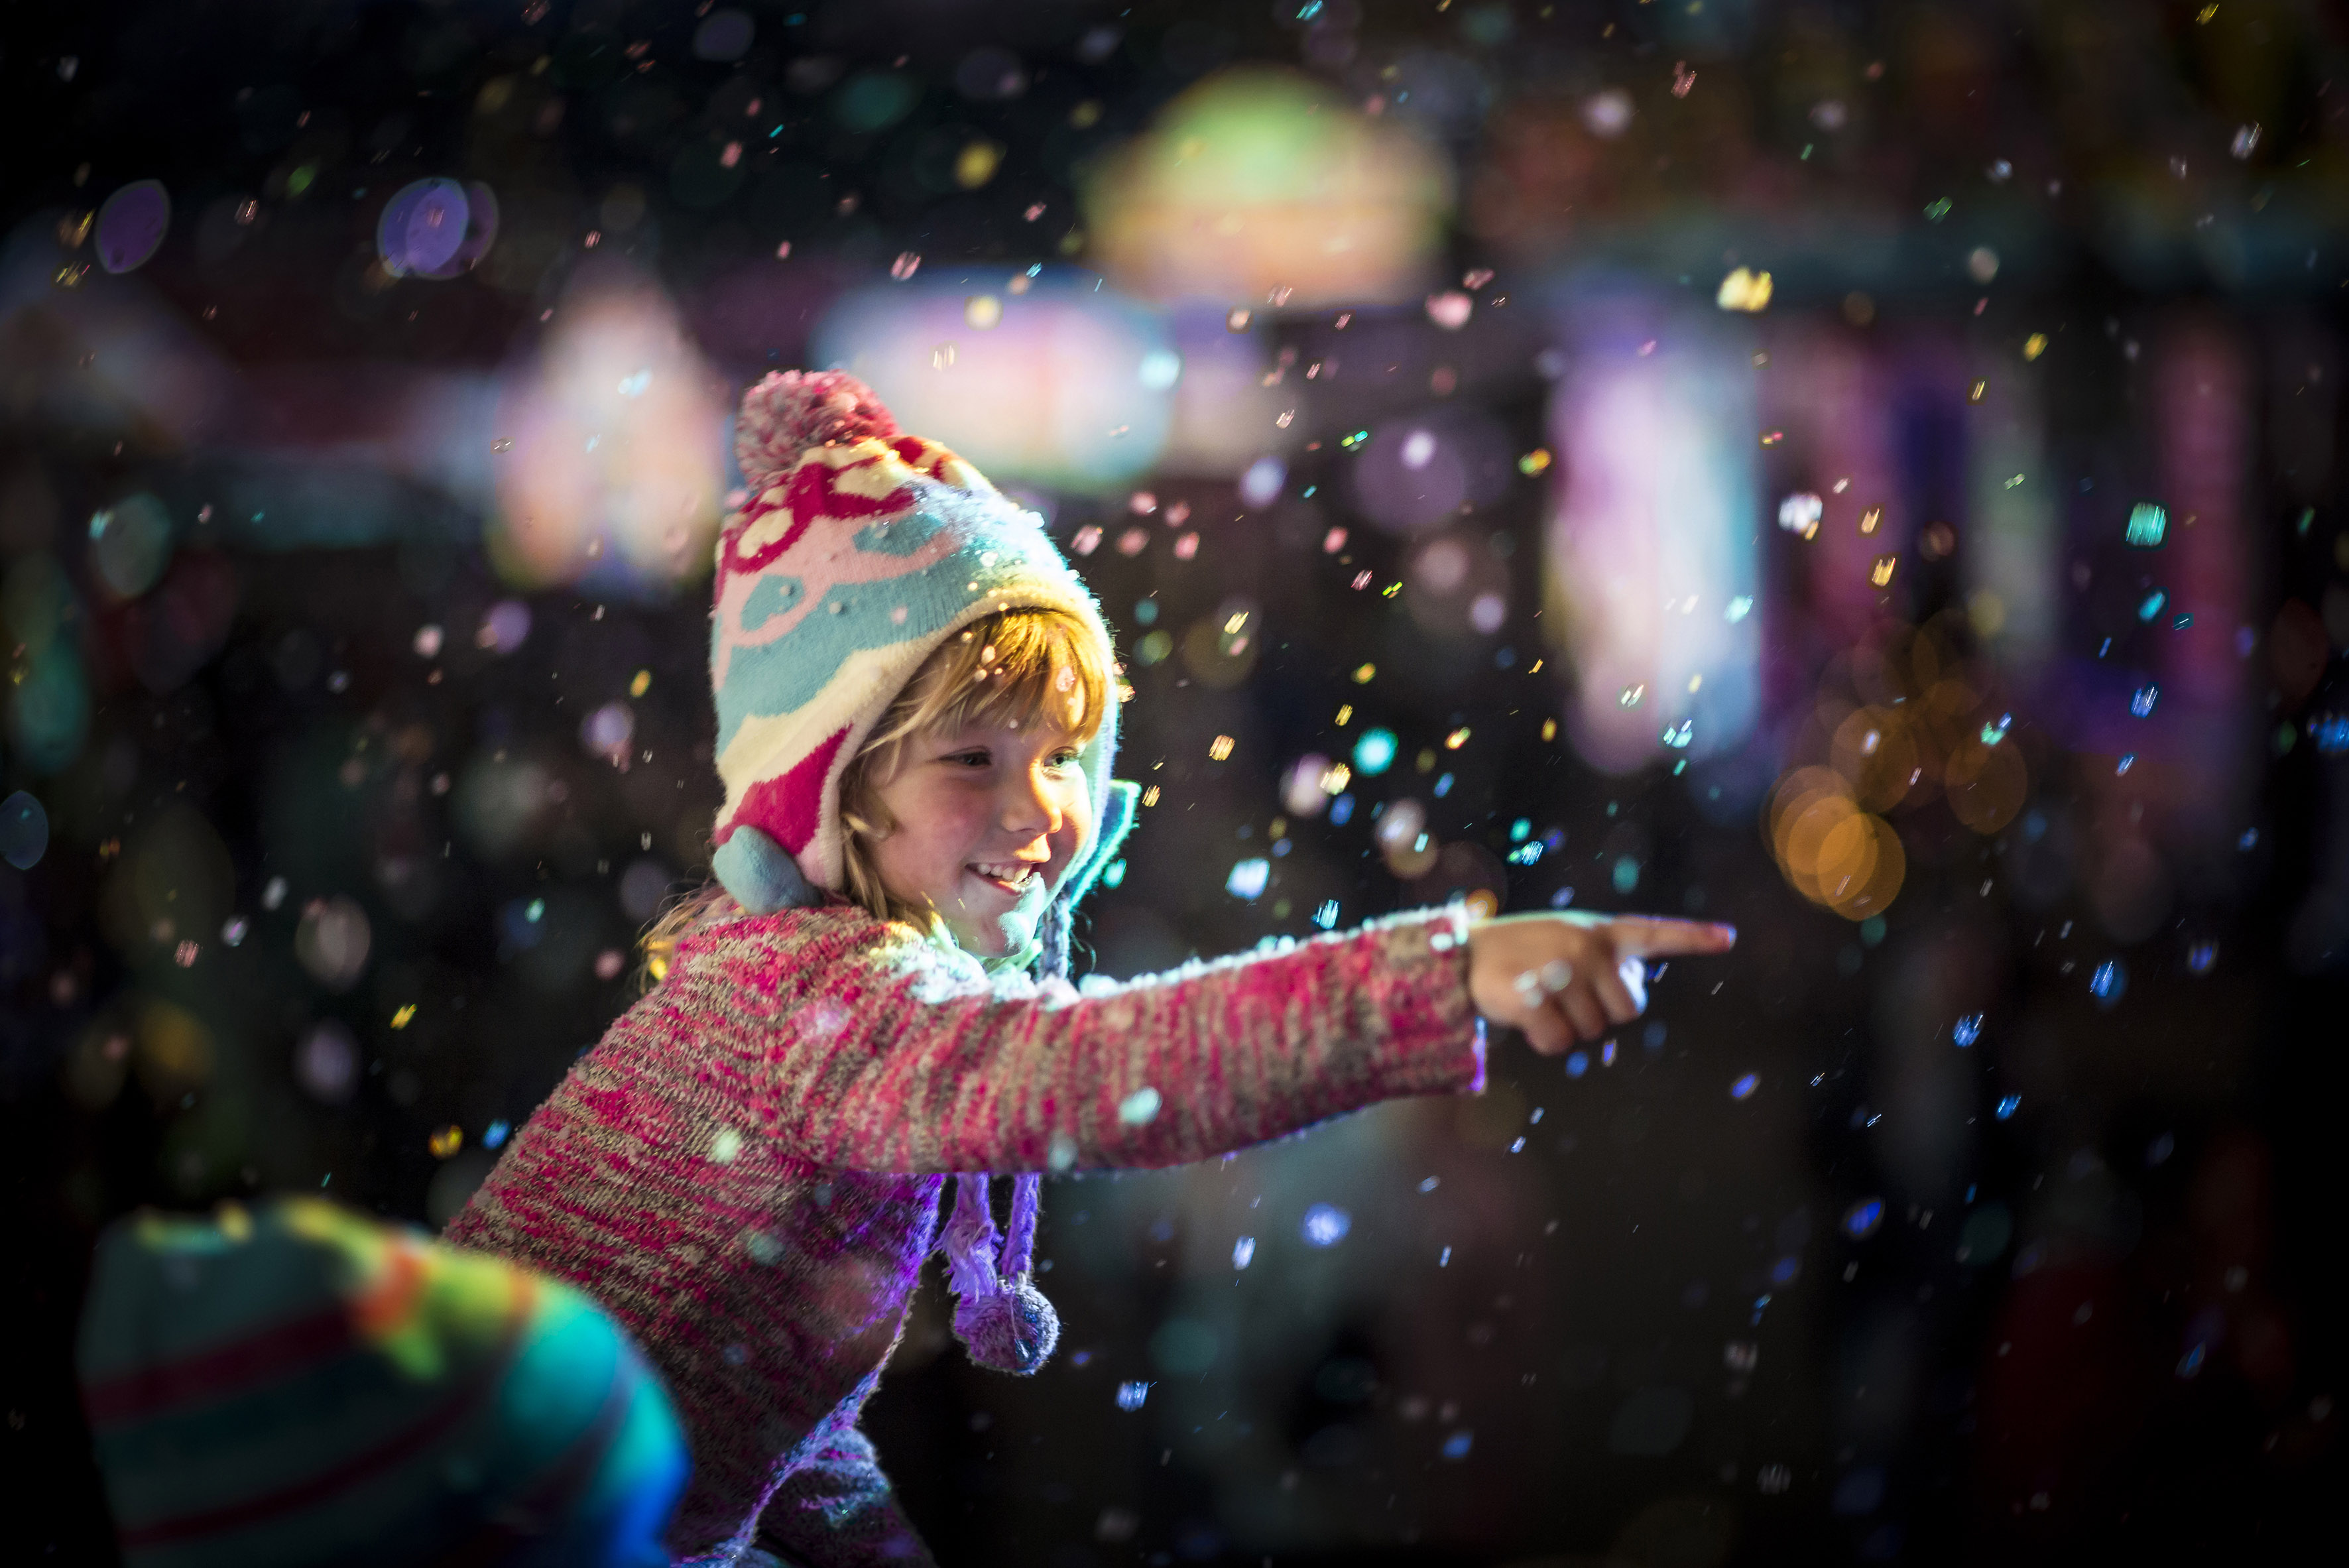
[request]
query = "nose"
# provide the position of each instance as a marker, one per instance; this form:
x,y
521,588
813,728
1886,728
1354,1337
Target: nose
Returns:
x,y
1031,807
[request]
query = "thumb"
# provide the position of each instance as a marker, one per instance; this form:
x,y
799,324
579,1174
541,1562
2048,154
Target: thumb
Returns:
x,y
1635,981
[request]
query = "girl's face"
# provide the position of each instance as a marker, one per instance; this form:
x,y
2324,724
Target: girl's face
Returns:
x,y
988,822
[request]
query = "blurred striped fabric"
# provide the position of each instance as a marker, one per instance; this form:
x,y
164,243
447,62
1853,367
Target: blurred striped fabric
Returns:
x,y
299,1384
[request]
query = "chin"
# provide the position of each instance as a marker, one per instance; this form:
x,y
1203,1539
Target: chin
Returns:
x,y
996,936
986,942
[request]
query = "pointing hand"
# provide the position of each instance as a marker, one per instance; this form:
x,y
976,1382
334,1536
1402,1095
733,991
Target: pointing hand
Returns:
x,y
1561,978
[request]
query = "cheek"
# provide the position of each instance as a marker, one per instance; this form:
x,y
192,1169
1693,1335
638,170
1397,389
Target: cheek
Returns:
x,y
935,834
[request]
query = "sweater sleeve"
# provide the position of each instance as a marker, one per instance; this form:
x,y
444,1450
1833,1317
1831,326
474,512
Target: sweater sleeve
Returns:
x,y
877,1053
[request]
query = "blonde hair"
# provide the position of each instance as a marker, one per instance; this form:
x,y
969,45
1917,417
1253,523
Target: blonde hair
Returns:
x,y
1012,668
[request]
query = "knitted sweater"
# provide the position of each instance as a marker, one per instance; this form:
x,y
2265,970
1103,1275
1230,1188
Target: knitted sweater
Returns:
x,y
745,1171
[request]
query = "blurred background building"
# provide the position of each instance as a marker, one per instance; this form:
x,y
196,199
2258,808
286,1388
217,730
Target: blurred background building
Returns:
x,y
1866,473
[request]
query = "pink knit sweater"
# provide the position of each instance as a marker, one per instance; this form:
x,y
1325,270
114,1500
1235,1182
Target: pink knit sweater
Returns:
x,y
746,1169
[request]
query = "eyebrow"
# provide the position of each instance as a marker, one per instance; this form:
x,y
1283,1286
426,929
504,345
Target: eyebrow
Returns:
x,y
950,746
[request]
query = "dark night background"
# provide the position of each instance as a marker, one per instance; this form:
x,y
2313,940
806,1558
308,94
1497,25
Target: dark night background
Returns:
x,y
364,762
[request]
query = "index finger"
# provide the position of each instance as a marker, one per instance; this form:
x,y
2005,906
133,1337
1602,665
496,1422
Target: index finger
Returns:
x,y
1652,936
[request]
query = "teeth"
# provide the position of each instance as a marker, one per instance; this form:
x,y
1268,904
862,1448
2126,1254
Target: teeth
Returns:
x,y
1015,874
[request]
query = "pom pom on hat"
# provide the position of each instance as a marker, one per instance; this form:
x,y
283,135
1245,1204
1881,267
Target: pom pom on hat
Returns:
x,y
791,410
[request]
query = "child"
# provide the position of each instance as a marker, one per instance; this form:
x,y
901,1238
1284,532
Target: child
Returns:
x,y
916,713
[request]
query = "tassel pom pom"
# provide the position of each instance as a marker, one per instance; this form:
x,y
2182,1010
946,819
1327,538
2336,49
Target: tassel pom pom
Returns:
x,y
791,410
1012,1329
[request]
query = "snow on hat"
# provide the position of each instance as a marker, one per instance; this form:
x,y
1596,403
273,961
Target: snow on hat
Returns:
x,y
859,550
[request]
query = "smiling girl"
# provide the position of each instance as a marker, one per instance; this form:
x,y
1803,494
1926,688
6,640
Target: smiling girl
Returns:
x,y
916,710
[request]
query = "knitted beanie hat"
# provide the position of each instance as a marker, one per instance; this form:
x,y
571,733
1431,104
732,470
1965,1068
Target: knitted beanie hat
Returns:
x,y
859,550
296,1383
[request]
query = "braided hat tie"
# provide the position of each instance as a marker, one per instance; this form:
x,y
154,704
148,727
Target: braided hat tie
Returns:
x,y
1001,1318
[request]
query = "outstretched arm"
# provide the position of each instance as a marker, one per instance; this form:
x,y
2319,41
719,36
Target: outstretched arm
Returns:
x,y
875,1051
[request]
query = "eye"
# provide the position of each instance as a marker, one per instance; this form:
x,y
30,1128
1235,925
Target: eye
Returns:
x,y
1066,756
976,757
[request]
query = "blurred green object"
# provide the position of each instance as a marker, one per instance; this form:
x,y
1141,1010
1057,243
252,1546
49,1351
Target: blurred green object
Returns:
x,y
298,1384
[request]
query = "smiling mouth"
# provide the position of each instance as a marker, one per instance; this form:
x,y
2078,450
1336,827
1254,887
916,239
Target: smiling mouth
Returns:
x,y
1013,877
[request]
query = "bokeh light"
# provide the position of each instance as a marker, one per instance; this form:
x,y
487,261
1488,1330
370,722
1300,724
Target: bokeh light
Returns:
x,y
1221,649
605,732
724,35
334,940
1325,1225
1374,752
131,543
1832,852
1247,878
1861,1219
1260,483
174,882
131,225
327,1062
1258,181
1649,549
24,831
48,700
1305,788
1425,467
1068,384
436,228
611,448
1404,842
48,709
1986,785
